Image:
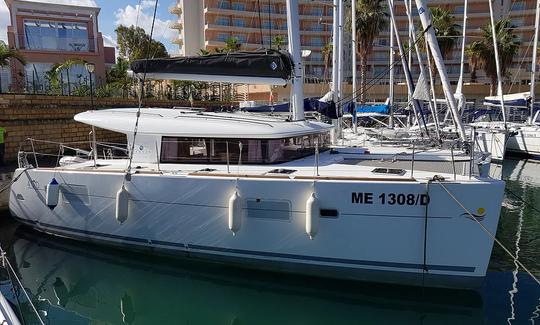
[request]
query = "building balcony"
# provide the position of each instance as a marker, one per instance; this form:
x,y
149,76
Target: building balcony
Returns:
x,y
178,41
50,44
175,10
176,25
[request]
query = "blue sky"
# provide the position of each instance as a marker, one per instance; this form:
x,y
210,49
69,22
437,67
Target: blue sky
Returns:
x,y
116,12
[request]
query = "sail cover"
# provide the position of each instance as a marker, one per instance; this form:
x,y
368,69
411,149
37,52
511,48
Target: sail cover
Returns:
x,y
256,67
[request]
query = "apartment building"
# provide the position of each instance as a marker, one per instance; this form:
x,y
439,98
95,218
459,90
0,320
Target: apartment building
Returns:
x,y
521,13
47,32
207,24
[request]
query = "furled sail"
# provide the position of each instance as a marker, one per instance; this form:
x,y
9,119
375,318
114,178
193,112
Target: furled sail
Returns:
x,y
269,67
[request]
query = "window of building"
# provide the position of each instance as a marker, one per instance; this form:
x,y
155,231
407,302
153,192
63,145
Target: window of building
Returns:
x,y
224,4
316,11
383,42
222,37
254,151
518,5
37,77
242,38
517,22
59,36
267,39
239,6
459,10
317,27
239,22
316,56
268,24
317,41
223,21
268,8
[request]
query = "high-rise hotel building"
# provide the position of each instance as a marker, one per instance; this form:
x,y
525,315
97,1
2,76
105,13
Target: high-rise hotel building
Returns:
x,y
207,24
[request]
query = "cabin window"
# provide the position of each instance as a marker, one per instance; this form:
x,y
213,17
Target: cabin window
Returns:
x,y
254,151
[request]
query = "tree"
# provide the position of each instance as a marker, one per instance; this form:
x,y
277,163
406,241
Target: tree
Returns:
x,y
445,30
278,42
135,44
483,52
117,76
327,56
55,74
6,54
370,21
203,52
472,53
232,44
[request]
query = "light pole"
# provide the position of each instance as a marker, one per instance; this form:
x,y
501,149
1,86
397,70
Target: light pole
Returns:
x,y
90,67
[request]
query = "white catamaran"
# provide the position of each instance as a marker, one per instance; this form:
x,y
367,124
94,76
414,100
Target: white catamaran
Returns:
x,y
261,192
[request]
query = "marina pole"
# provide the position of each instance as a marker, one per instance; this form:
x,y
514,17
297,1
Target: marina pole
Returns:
x,y
353,53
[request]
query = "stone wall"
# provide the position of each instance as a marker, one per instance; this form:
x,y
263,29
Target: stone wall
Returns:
x,y
50,118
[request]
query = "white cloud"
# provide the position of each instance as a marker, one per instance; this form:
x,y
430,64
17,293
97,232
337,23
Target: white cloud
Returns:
x,y
128,16
108,40
4,21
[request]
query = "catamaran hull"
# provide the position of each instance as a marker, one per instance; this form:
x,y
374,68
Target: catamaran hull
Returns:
x,y
404,231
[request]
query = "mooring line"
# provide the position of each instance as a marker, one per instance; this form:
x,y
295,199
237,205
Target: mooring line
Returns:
x,y
489,233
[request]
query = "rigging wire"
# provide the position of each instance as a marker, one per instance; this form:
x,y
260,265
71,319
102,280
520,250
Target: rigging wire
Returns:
x,y
141,92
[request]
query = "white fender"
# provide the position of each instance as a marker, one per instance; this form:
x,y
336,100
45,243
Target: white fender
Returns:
x,y
236,211
313,213
52,193
122,205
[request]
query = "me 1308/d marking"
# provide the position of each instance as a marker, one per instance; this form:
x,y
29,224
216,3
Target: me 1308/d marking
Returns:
x,y
390,198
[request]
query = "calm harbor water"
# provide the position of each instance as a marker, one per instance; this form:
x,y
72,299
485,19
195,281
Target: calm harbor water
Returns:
x,y
76,283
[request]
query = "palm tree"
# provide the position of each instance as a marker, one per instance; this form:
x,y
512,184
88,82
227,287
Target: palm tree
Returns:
x,y
446,32
483,52
472,52
6,54
278,42
232,44
203,52
327,54
370,21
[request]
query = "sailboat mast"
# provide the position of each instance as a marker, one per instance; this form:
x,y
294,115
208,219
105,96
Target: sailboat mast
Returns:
x,y
408,77
391,77
432,108
533,64
425,18
459,88
340,63
497,64
335,46
353,53
297,88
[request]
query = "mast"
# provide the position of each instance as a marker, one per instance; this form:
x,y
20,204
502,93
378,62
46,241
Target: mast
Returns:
x,y
340,63
496,49
425,18
335,43
410,86
462,65
353,53
297,88
433,110
533,65
391,77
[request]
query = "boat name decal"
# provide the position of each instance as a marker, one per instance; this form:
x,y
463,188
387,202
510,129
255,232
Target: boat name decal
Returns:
x,y
390,198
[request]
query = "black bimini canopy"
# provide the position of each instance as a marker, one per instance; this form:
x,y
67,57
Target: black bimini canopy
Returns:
x,y
257,67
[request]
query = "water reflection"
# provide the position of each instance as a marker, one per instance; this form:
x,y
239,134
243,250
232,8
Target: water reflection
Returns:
x,y
100,284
